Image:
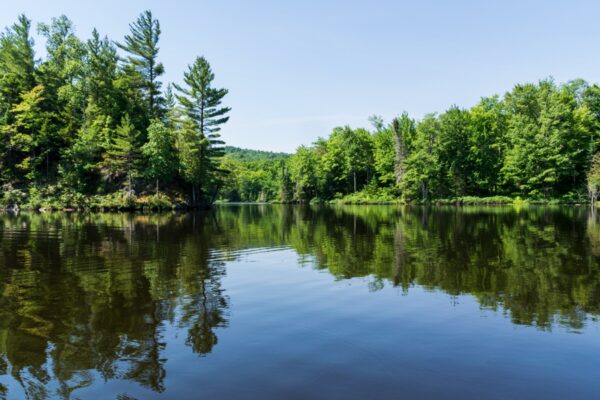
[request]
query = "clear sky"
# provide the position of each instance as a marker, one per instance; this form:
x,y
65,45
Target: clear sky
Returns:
x,y
296,69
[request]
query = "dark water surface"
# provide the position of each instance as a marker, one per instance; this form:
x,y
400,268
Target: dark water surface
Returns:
x,y
276,302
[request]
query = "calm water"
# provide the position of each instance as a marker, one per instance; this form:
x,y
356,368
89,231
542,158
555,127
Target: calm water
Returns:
x,y
276,302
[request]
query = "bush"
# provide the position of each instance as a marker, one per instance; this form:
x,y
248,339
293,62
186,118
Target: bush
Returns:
x,y
12,197
156,202
117,200
369,195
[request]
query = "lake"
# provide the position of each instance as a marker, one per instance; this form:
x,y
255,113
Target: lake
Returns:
x,y
291,302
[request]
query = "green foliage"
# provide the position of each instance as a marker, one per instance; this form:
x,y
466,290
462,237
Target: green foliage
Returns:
x,y
404,134
236,153
421,167
384,157
158,201
304,174
12,197
536,142
545,137
486,145
122,158
85,120
254,175
160,153
369,195
17,65
142,60
90,121
593,178
201,123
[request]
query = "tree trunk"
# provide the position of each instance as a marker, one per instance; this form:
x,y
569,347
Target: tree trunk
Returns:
x,y
354,175
130,183
157,186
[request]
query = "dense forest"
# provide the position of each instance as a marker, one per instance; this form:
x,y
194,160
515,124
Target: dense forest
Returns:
x,y
92,125
253,175
538,142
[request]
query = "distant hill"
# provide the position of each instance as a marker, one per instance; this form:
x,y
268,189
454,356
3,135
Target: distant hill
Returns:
x,y
253,155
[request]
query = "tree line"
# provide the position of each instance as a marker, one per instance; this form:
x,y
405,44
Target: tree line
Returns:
x,y
93,117
538,141
91,123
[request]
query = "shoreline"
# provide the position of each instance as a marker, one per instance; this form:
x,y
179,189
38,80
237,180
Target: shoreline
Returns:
x,y
147,207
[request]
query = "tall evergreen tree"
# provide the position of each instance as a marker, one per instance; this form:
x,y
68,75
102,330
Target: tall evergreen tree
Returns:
x,y
203,117
17,65
142,59
101,73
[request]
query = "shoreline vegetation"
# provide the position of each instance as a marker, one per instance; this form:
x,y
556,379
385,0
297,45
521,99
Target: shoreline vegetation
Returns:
x,y
169,202
90,127
165,203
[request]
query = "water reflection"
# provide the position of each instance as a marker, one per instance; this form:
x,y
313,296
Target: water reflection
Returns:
x,y
85,296
83,293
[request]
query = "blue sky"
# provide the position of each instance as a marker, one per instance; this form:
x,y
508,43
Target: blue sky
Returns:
x,y
296,69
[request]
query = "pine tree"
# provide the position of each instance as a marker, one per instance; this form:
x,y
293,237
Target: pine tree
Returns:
x,y
122,157
17,65
172,113
203,116
142,48
101,73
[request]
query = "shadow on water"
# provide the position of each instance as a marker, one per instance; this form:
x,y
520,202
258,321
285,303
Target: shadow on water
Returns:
x,y
89,296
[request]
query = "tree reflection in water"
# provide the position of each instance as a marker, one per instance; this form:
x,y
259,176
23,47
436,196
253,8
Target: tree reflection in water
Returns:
x,y
87,295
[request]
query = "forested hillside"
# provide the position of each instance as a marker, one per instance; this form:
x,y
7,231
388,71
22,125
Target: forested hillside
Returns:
x,y
92,125
252,175
539,141
236,153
